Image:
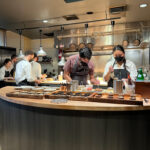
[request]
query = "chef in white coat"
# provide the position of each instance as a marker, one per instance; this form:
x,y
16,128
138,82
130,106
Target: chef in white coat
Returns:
x,y
23,74
5,72
36,69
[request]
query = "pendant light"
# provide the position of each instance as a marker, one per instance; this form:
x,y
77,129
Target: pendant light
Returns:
x,y
113,25
62,61
41,52
20,50
86,31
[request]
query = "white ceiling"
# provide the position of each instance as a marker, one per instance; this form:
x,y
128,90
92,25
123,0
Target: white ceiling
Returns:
x,y
17,14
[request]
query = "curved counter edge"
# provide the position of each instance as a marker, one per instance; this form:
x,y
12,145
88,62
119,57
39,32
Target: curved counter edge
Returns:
x,y
70,105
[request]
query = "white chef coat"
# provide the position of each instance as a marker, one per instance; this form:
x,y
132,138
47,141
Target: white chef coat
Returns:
x,y
130,66
36,70
2,72
23,71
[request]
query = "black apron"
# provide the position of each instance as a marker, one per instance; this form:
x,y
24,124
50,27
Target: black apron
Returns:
x,y
120,74
7,74
80,72
26,83
3,83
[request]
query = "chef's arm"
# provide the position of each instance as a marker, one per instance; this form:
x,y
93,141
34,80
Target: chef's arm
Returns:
x,y
93,80
108,74
67,76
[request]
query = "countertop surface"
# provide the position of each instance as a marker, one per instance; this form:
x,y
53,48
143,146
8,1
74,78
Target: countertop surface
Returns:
x,y
70,105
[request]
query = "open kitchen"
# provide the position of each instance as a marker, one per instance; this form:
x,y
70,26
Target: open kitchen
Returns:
x,y
74,74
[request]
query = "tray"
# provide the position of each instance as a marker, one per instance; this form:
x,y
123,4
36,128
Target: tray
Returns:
x,y
116,98
25,95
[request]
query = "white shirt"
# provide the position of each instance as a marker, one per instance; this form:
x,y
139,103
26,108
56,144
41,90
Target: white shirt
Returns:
x,y
2,72
23,71
36,70
130,66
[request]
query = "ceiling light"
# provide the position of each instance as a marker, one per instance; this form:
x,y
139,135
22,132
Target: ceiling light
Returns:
x,y
20,50
41,52
143,5
45,21
62,62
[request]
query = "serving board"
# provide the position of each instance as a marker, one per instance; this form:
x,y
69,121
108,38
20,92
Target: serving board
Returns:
x,y
57,94
79,96
25,95
99,97
116,99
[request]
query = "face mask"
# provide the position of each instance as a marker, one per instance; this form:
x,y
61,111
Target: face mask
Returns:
x,y
119,58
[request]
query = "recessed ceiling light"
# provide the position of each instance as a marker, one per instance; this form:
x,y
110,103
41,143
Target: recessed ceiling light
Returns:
x,y
89,13
143,5
45,21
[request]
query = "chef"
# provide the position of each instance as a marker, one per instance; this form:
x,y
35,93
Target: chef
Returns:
x,y
79,66
5,72
119,67
23,74
13,64
36,69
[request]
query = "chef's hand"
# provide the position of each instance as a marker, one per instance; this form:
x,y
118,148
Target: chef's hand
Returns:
x,y
8,78
37,81
111,69
95,82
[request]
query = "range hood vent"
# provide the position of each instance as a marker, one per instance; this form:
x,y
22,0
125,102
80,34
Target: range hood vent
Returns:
x,y
71,1
51,34
117,10
70,17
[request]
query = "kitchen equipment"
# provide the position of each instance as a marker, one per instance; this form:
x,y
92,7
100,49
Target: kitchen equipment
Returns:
x,y
125,43
72,47
118,86
74,85
81,45
136,41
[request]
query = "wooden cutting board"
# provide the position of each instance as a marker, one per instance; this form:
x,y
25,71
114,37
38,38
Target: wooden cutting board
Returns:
x,y
25,95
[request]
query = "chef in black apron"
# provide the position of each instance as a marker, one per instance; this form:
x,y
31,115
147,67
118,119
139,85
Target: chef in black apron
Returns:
x,y
80,71
5,72
78,67
120,72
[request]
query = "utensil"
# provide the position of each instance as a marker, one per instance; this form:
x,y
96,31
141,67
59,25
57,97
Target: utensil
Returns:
x,y
118,86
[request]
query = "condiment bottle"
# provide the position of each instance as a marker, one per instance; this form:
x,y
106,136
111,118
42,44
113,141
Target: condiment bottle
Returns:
x,y
140,75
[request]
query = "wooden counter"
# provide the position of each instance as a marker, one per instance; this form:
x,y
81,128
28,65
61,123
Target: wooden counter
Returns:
x,y
30,124
70,105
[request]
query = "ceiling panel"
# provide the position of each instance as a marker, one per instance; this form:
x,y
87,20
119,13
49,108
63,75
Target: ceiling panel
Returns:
x,y
17,14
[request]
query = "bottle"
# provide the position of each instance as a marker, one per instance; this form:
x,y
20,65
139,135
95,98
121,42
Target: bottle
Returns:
x,y
60,77
145,73
129,80
140,76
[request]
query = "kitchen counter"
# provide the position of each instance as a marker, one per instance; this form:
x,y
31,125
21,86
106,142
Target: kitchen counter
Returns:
x,y
70,105
53,83
39,124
